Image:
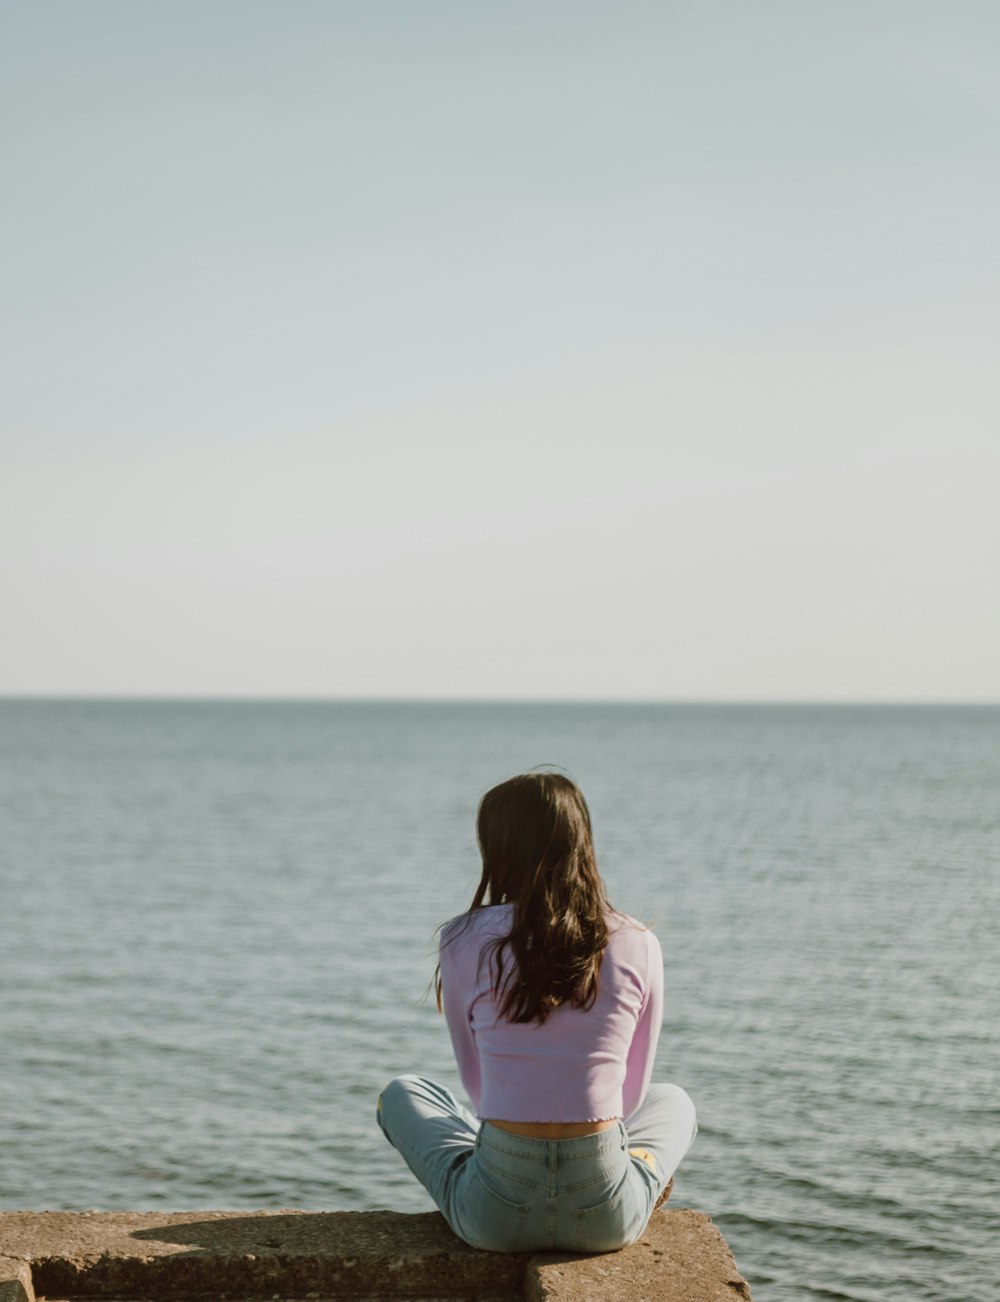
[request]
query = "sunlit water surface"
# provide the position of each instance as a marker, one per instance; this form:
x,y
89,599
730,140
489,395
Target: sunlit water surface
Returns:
x,y
218,932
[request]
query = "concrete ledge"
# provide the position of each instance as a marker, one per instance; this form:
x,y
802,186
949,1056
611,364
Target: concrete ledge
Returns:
x,y
339,1255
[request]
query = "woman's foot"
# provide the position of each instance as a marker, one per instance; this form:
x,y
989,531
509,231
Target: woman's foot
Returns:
x,y
665,1195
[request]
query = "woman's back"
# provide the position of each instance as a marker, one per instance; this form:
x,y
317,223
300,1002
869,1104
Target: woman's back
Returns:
x,y
579,1064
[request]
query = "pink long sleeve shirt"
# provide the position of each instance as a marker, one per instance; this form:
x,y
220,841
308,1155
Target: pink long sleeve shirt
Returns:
x,y
579,1065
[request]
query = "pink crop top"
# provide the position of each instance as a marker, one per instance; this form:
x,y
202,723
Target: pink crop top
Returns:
x,y
579,1065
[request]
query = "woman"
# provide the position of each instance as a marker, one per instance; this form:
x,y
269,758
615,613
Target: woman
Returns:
x,y
554,1004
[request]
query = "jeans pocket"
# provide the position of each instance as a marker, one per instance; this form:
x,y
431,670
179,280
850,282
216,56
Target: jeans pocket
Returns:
x,y
487,1219
613,1223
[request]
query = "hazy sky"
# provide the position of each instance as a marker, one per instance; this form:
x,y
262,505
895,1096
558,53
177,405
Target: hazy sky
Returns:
x,y
482,348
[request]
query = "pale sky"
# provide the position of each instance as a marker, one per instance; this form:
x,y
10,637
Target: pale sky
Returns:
x,y
500,349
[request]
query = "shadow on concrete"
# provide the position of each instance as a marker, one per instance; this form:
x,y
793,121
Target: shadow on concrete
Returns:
x,y
310,1233
325,1254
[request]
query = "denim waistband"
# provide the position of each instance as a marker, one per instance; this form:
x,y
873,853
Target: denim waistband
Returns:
x,y
563,1150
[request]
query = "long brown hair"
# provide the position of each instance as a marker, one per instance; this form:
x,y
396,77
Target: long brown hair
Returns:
x,y
538,855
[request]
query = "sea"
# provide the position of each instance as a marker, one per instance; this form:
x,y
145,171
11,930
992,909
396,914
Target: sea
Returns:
x,y
217,937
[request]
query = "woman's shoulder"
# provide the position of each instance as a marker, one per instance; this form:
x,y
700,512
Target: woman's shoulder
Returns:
x,y
628,934
476,925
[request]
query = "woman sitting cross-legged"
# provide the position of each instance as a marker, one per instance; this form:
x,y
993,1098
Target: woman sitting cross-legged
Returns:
x,y
554,1002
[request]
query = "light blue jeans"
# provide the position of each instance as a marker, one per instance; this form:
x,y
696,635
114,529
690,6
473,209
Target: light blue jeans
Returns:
x,y
507,1193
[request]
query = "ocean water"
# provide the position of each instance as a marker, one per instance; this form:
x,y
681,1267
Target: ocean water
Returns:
x,y
218,933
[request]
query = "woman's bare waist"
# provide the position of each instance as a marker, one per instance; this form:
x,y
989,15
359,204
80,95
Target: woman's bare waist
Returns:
x,y
554,1129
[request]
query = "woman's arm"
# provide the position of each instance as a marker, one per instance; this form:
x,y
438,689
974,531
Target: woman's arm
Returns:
x,y
642,1050
456,1000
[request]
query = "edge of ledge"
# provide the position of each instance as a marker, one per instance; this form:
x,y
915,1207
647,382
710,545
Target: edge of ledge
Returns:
x,y
15,1280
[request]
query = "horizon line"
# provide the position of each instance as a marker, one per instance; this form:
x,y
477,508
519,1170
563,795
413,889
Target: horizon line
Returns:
x,y
194,698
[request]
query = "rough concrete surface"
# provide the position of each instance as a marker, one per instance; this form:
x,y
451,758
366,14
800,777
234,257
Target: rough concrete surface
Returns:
x,y
15,1279
682,1257
336,1255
